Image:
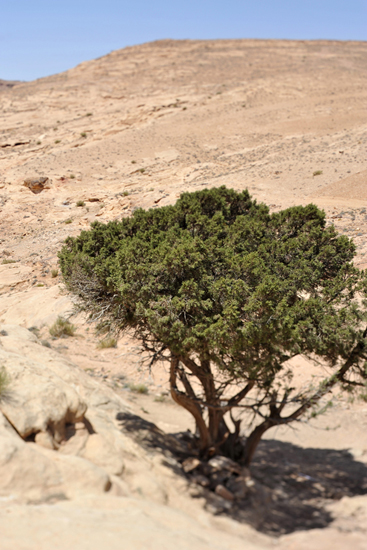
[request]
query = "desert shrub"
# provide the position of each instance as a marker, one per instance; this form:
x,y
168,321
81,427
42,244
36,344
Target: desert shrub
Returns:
x,y
62,328
54,273
4,381
107,343
228,293
80,203
46,343
138,388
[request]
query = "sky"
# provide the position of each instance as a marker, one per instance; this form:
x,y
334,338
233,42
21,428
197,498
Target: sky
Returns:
x,y
43,37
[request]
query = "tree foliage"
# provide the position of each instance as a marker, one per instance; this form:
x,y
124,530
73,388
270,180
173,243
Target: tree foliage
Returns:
x,y
228,293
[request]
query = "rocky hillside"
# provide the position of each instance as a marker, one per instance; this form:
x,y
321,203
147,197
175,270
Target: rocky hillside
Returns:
x,y
87,434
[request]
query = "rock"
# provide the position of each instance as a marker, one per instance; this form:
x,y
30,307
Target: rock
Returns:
x,y
46,440
224,493
356,453
223,463
216,504
32,473
102,452
76,437
190,464
218,477
13,274
36,307
47,401
78,476
200,480
238,486
41,400
37,185
24,473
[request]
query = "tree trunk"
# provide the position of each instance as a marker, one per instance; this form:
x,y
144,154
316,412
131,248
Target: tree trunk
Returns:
x,y
254,439
187,403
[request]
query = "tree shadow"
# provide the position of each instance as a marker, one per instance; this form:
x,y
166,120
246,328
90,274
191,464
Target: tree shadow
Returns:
x,y
298,483
290,486
150,437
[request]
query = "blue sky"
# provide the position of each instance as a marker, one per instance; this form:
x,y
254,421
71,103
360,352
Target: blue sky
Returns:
x,y
43,37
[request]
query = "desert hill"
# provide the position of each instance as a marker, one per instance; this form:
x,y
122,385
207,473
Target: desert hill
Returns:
x,y
135,128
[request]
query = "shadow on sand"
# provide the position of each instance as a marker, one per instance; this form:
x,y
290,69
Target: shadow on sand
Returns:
x,y
292,485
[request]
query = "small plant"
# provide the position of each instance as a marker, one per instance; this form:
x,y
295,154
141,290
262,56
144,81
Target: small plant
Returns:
x,y
4,381
35,331
54,273
62,328
138,388
72,176
58,141
68,221
125,194
133,162
9,262
317,173
89,114
55,129
45,343
107,343
40,284
142,170
160,398
38,143
80,203
83,134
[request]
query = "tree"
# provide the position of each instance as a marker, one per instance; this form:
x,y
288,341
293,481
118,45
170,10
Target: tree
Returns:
x,y
228,294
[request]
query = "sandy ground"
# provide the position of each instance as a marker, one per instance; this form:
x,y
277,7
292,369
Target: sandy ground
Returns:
x,y
285,119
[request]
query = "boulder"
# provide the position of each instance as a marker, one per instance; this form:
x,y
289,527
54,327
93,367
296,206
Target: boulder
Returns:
x,y
37,185
31,473
40,399
60,411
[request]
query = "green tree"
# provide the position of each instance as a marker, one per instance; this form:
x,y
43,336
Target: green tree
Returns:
x,y
228,294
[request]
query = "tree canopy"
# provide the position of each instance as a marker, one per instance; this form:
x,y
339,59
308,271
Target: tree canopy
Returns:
x,y
228,293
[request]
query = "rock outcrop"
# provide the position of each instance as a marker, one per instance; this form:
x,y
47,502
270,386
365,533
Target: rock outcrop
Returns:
x,y
58,434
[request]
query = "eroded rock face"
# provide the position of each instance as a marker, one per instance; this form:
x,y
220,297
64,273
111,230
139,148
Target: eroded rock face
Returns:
x,y
31,473
40,400
57,428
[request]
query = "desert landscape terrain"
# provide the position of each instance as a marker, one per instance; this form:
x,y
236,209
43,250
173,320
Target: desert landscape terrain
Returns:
x,y
285,119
